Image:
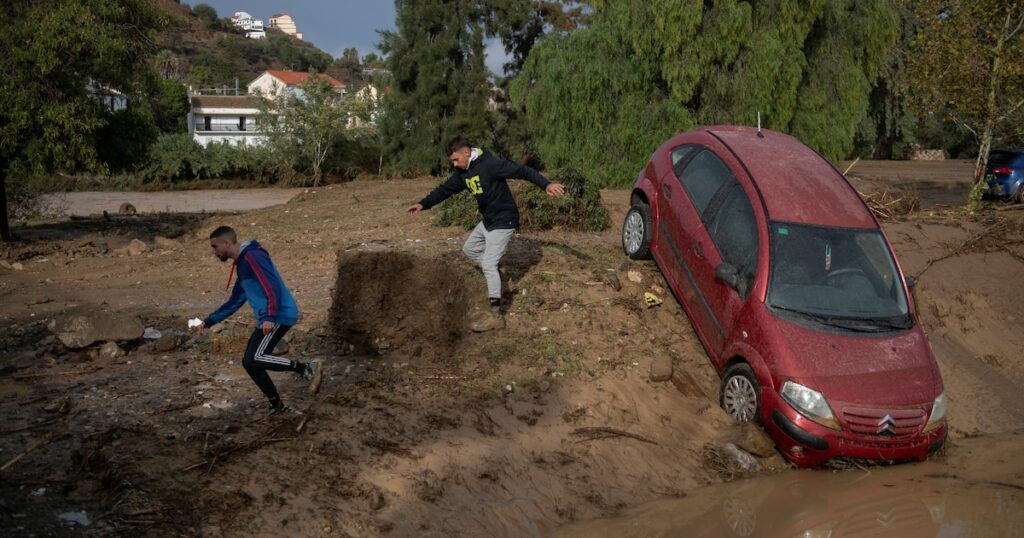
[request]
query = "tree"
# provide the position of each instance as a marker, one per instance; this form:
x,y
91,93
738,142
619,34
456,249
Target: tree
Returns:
x,y
55,54
307,124
601,98
521,23
966,66
207,14
439,86
349,60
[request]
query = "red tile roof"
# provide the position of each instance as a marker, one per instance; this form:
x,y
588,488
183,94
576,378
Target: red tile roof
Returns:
x,y
292,78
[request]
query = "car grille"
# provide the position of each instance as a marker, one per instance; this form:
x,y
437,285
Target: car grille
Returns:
x,y
874,422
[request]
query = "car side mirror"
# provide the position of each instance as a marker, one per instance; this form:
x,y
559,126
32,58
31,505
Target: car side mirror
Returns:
x,y
727,273
911,283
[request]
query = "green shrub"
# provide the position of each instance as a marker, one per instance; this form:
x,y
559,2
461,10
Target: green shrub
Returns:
x,y
580,209
176,157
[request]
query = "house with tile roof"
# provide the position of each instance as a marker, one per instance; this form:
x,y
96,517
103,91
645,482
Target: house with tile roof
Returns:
x,y
273,84
231,119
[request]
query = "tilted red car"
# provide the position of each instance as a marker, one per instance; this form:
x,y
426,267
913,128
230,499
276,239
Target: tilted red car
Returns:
x,y
795,293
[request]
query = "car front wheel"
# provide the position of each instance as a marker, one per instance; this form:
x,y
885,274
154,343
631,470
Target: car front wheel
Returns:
x,y
636,232
741,393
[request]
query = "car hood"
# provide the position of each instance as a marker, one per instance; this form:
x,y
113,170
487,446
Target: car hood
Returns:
x,y
877,369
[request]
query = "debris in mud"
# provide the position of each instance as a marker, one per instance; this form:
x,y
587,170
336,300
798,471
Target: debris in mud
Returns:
x,y
651,300
398,300
661,368
595,433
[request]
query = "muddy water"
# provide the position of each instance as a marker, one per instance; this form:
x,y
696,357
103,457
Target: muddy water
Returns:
x,y
91,203
977,490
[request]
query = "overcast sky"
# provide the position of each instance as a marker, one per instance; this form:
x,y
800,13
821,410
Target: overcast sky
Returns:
x,y
335,25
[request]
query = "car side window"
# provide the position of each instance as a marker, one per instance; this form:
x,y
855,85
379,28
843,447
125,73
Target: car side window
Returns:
x,y
680,156
703,176
733,230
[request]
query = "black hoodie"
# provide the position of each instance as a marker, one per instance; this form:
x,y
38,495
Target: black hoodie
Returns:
x,y
486,179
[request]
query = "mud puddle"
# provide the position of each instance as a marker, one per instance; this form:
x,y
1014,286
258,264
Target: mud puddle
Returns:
x,y
976,490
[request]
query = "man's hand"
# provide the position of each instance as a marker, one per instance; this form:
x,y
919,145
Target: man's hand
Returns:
x,y
267,327
413,209
555,189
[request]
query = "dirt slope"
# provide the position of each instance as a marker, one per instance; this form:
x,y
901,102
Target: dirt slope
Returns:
x,y
501,435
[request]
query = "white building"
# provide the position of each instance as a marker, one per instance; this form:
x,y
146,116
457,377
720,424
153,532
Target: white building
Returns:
x,y
285,23
253,27
224,118
272,84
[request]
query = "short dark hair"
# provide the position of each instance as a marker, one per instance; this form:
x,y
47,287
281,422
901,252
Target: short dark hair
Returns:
x,y
457,143
226,232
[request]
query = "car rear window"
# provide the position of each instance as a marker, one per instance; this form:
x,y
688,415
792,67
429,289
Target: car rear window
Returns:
x,y
1003,156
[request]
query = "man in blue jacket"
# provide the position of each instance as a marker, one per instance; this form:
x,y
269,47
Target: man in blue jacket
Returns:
x,y
272,304
485,176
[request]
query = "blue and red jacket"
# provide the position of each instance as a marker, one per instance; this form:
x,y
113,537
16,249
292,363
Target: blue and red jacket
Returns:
x,y
260,284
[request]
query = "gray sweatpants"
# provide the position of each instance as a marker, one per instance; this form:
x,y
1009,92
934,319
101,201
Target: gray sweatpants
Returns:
x,y
486,249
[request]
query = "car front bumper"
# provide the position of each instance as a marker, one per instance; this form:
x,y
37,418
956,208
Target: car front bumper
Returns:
x,y
809,444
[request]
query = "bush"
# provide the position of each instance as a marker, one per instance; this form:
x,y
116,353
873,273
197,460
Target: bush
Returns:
x,y
580,209
176,157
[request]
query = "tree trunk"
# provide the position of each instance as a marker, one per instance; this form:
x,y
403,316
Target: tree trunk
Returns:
x,y
991,114
983,148
5,229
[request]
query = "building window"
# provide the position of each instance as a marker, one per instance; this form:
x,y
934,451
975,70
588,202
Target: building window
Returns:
x,y
207,121
241,123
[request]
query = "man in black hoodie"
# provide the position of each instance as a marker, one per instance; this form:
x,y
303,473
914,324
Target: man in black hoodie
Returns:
x,y
485,175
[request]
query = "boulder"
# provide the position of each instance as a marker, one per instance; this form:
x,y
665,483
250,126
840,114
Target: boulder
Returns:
x,y
111,350
136,247
127,209
661,368
81,329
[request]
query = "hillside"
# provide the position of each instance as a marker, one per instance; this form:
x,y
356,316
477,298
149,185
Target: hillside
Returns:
x,y
205,53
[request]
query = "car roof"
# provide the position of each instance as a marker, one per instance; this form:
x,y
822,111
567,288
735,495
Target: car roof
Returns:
x,y
795,182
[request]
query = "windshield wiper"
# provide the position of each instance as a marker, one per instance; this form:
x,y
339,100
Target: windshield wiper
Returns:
x,y
853,323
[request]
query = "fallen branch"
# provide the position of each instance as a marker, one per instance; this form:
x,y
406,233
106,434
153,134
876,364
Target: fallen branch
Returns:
x,y
42,441
223,455
966,246
602,432
42,423
55,374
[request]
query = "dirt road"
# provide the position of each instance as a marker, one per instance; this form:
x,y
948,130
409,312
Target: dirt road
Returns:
x,y
518,432
203,201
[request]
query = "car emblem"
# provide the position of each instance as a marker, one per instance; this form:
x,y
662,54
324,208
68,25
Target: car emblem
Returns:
x,y
887,423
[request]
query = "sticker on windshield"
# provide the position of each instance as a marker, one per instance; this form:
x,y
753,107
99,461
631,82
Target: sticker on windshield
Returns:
x,y
783,231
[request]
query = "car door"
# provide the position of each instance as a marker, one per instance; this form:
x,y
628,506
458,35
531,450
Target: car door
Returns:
x,y
732,228
693,184
669,223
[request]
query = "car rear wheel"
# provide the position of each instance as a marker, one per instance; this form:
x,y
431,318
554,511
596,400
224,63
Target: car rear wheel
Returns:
x,y
636,232
741,393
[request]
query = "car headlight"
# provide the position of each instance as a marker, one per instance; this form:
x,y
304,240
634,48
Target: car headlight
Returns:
x,y
938,413
810,403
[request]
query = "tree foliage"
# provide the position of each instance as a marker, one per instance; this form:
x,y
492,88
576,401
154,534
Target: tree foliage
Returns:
x,y
966,67
307,125
439,86
603,97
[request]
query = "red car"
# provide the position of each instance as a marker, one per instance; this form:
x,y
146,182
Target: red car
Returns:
x,y
794,291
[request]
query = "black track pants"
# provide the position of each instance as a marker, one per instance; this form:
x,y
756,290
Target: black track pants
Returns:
x,y
258,359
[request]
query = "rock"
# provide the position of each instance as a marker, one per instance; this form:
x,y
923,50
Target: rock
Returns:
x,y
127,209
75,517
151,334
167,243
84,328
136,247
613,281
5,264
686,385
111,350
282,348
166,343
634,276
753,439
745,460
17,266
661,368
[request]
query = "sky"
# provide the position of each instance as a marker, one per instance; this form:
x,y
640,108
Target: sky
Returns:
x,y
335,25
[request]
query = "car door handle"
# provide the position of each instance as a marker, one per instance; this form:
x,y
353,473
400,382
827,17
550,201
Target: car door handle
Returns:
x,y
697,249
666,189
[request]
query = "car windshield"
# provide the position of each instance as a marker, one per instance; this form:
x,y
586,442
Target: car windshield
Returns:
x,y
838,277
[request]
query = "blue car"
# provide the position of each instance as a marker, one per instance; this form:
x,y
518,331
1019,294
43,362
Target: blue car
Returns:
x,y
1005,174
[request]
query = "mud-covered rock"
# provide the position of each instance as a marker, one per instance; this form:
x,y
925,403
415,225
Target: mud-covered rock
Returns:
x,y
83,328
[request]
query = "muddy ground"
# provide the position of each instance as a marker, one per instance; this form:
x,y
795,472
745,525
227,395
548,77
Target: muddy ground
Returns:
x,y
422,427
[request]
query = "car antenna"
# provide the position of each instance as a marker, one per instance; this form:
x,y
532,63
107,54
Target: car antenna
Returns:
x,y
759,133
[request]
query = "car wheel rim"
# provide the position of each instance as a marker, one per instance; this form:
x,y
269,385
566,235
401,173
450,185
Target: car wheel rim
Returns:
x,y
633,232
739,398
